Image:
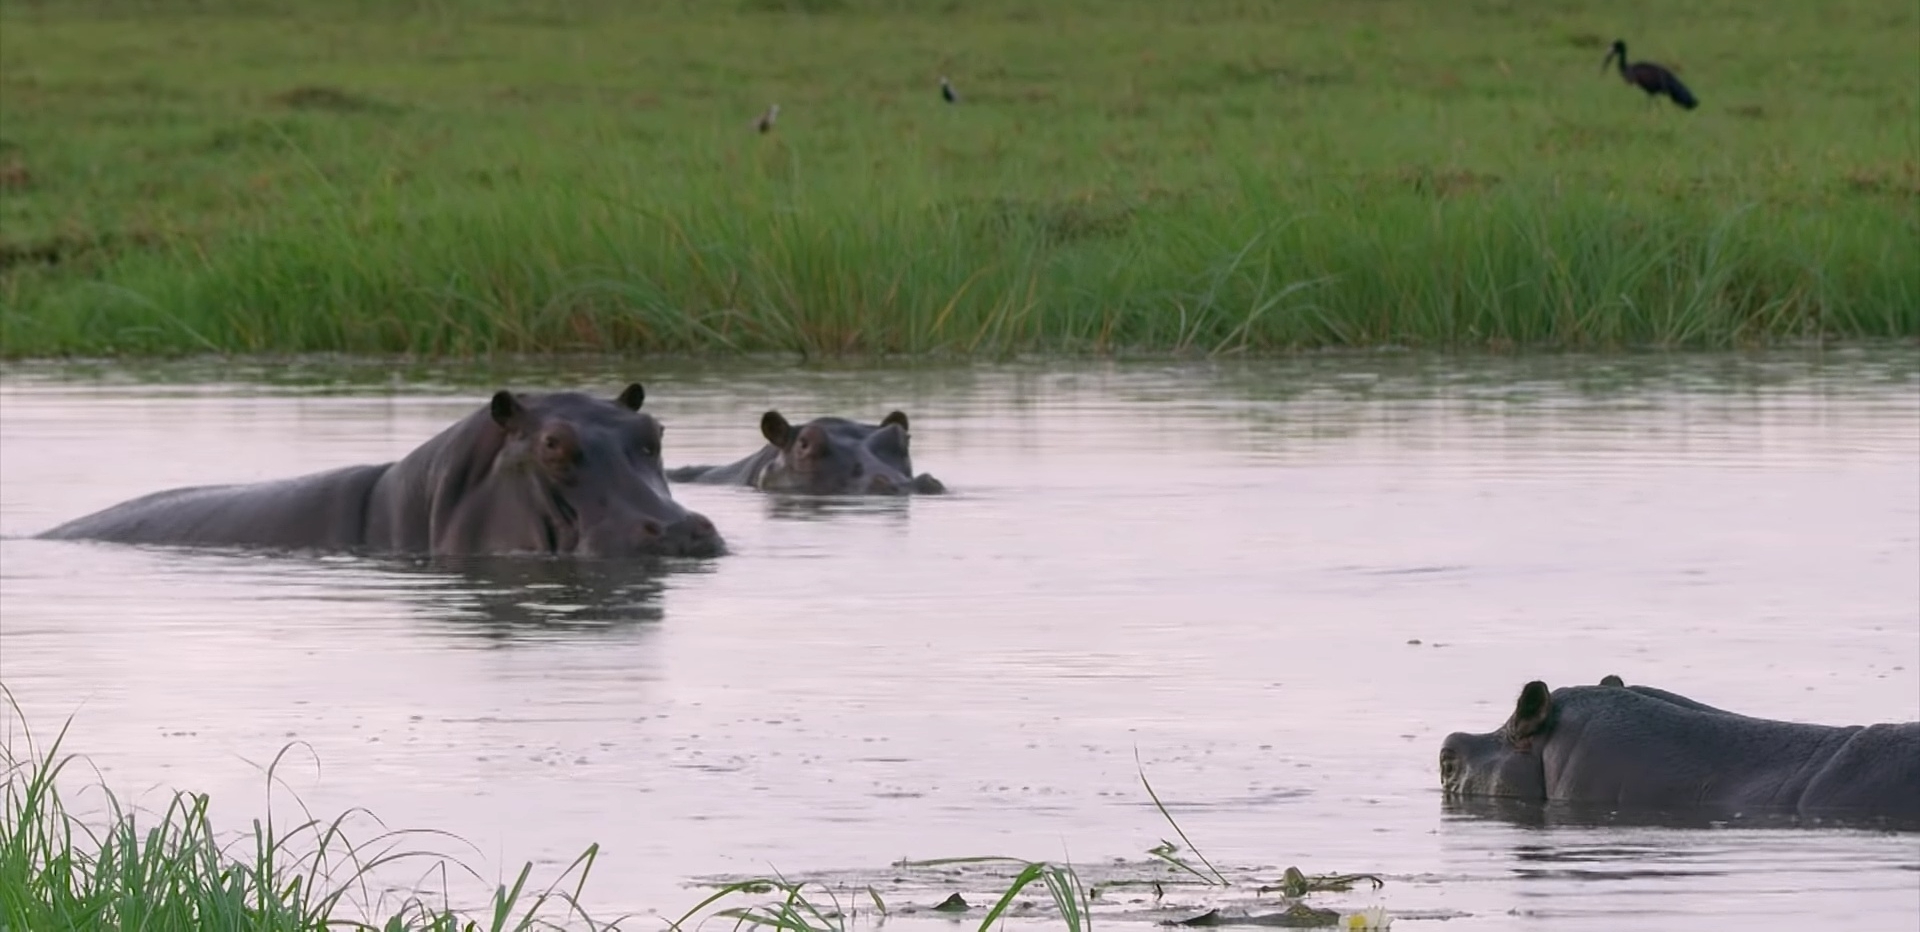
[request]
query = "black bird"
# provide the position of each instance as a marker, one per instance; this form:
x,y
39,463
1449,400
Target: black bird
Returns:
x,y
947,92
1649,77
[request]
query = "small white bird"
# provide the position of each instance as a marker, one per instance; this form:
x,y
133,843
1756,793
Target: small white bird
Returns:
x,y
765,122
947,92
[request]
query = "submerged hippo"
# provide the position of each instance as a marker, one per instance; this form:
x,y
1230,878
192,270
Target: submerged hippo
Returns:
x,y
825,456
1636,746
561,473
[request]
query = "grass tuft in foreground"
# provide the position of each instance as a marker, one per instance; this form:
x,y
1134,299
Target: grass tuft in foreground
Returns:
x,y
119,869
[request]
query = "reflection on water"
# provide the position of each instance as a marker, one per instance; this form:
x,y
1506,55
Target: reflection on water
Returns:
x,y
1274,586
1522,813
831,507
511,599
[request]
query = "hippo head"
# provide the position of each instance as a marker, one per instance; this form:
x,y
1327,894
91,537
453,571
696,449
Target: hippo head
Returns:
x,y
835,456
1508,761
588,474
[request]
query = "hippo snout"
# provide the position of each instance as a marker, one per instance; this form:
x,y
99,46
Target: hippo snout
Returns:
x,y
1451,771
691,536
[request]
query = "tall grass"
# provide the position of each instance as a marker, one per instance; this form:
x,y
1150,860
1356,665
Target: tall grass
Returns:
x,y
821,274
528,175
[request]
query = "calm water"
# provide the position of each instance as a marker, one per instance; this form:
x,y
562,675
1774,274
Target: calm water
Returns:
x,y
1220,569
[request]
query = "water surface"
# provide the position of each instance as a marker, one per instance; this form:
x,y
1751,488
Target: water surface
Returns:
x,y
1274,585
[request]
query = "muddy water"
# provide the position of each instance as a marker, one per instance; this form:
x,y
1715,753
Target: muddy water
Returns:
x,y
1278,584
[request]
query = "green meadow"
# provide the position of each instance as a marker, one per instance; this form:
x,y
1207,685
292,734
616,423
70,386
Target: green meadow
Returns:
x,y
432,177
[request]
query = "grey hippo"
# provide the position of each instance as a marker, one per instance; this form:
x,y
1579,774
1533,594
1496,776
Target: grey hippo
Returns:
x,y
1642,747
559,473
824,456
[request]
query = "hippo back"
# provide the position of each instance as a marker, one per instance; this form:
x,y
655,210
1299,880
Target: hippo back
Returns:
x,y
1877,772
322,511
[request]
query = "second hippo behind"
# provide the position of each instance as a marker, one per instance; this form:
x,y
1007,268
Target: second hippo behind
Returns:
x,y
824,456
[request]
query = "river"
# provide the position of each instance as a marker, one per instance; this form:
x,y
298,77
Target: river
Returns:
x,y
1270,586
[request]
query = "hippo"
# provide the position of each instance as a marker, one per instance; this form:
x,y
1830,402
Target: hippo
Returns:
x,y
825,456
1647,748
560,473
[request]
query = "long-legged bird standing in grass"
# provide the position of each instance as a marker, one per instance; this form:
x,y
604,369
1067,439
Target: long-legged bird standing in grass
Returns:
x,y
765,122
947,93
1649,77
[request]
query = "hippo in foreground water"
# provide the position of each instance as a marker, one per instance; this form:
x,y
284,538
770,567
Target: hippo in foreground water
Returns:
x,y
561,473
1640,747
825,456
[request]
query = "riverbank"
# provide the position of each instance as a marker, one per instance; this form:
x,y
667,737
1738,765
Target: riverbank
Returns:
x,y
527,176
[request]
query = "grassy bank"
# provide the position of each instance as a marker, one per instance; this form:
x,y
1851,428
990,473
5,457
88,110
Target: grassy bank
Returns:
x,y
532,175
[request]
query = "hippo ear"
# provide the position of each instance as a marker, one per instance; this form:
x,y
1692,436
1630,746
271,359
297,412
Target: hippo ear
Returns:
x,y
632,397
507,410
1531,712
776,429
1611,680
896,417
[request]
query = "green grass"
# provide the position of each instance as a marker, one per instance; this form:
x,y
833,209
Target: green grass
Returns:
x,y
1225,175
116,868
